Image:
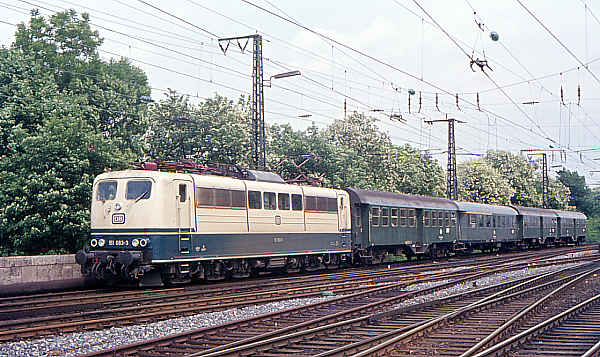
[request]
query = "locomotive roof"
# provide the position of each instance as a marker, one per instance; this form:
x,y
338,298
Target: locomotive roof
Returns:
x,y
570,214
480,208
533,211
400,200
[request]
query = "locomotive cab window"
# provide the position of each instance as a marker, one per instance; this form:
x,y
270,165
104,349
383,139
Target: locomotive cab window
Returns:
x,y
107,191
138,190
296,202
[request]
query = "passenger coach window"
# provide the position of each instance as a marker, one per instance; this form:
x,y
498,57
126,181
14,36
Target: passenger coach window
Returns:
x,y
107,191
427,218
270,202
284,201
412,217
385,217
394,220
447,219
473,220
296,202
403,214
254,200
375,216
453,219
138,190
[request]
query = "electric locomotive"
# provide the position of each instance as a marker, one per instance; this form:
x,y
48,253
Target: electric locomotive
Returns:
x,y
153,226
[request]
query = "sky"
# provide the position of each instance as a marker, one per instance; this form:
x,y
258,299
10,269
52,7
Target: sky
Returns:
x,y
371,55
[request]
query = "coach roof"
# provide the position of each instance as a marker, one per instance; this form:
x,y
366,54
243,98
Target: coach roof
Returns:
x,y
480,208
377,198
532,211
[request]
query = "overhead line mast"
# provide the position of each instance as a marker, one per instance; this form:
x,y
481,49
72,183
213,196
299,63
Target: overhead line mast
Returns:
x,y
451,177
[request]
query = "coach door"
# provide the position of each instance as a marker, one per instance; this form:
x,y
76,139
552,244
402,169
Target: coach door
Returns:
x,y
183,192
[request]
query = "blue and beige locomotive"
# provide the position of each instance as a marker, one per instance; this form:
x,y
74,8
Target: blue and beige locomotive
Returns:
x,y
152,226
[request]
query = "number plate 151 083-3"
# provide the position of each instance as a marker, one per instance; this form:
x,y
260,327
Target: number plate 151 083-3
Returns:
x,y
118,218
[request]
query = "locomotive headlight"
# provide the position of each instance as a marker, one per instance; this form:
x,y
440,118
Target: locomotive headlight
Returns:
x,y
94,242
135,243
143,242
101,242
117,206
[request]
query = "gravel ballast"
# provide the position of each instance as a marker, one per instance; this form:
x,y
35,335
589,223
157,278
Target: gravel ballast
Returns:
x,y
74,344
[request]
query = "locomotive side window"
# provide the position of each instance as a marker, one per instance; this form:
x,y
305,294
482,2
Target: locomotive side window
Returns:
x,y
322,204
182,193
270,201
238,198
375,216
254,200
205,196
296,202
283,200
385,216
310,203
107,191
332,204
394,220
138,190
222,198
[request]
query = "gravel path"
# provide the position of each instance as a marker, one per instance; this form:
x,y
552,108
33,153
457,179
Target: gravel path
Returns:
x,y
75,344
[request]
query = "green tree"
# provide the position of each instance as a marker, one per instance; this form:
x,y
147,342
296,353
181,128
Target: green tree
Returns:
x,y
520,173
47,179
355,153
479,181
581,195
67,47
216,130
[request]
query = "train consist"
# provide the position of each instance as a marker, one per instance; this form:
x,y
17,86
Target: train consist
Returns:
x,y
153,226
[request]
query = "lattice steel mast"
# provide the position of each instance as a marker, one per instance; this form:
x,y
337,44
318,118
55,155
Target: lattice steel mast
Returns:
x,y
259,159
451,178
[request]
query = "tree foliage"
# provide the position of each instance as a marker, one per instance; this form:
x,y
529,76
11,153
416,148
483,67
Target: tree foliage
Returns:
x,y
479,181
215,130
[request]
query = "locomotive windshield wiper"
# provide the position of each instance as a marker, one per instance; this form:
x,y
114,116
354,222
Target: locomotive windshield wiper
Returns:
x,y
141,196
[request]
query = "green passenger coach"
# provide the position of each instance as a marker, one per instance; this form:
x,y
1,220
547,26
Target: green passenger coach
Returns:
x,y
393,223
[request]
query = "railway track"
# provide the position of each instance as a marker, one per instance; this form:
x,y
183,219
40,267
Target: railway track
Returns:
x,y
131,307
569,331
235,337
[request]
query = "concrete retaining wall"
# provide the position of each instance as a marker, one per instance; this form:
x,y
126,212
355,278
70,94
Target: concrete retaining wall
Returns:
x,y
39,273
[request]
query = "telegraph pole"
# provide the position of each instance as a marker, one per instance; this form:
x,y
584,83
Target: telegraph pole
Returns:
x,y
451,179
